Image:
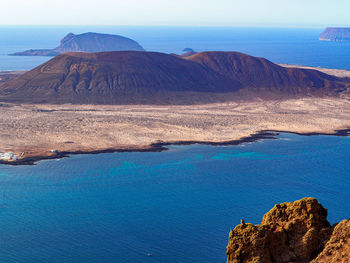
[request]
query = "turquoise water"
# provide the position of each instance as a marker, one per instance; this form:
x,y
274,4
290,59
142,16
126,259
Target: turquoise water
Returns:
x,y
178,205
292,46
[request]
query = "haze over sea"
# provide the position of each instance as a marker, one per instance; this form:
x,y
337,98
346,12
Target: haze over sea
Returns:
x,y
178,205
280,45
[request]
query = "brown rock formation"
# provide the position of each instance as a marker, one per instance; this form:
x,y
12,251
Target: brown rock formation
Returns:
x,y
337,248
135,77
262,76
117,78
291,232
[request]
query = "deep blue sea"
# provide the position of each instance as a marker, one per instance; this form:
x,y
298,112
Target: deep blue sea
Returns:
x,y
178,205
280,45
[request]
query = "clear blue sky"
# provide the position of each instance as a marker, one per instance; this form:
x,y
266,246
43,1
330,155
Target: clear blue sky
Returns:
x,y
300,13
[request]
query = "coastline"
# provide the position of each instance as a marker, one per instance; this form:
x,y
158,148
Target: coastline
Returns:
x,y
161,146
35,132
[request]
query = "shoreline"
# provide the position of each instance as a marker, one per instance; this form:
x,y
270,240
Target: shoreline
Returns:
x,y
161,146
30,133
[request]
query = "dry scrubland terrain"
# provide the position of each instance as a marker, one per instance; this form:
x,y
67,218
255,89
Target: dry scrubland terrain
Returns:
x,y
37,129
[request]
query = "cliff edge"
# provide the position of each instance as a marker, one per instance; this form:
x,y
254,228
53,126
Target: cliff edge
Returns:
x,y
291,232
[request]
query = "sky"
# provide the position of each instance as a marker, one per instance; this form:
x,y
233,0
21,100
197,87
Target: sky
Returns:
x,y
278,13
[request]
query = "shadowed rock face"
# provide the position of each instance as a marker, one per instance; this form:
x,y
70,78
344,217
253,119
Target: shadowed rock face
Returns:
x,y
337,248
154,78
335,34
87,42
259,73
290,232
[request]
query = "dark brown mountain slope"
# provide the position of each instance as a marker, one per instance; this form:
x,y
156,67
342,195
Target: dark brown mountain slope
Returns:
x,y
155,78
259,73
117,78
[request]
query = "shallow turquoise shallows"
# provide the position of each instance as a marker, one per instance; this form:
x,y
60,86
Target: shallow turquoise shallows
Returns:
x,y
177,205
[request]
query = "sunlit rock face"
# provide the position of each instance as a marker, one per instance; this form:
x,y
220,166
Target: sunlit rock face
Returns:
x,y
291,232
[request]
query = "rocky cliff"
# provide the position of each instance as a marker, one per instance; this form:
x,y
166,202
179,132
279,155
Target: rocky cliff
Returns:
x,y
87,42
337,249
335,34
291,232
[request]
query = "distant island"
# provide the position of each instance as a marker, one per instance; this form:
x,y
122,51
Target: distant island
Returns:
x,y
187,49
115,101
87,42
131,77
335,34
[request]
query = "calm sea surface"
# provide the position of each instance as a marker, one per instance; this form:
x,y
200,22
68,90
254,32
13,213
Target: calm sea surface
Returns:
x,y
292,46
178,205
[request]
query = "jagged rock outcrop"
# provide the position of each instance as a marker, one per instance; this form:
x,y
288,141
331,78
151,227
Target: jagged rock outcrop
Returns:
x,y
87,42
290,232
337,248
335,34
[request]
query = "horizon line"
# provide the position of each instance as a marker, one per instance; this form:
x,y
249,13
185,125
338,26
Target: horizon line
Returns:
x,y
168,25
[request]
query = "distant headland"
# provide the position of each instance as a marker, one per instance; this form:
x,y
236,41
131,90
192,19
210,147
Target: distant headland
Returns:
x,y
335,34
87,42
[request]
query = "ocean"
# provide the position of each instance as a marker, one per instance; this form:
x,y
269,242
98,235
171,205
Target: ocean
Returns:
x,y
178,205
287,45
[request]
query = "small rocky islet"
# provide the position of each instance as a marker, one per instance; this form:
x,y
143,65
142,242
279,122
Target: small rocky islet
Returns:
x,y
291,232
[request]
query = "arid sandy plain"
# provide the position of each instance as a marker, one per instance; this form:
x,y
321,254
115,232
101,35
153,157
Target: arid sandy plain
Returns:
x,y
36,130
